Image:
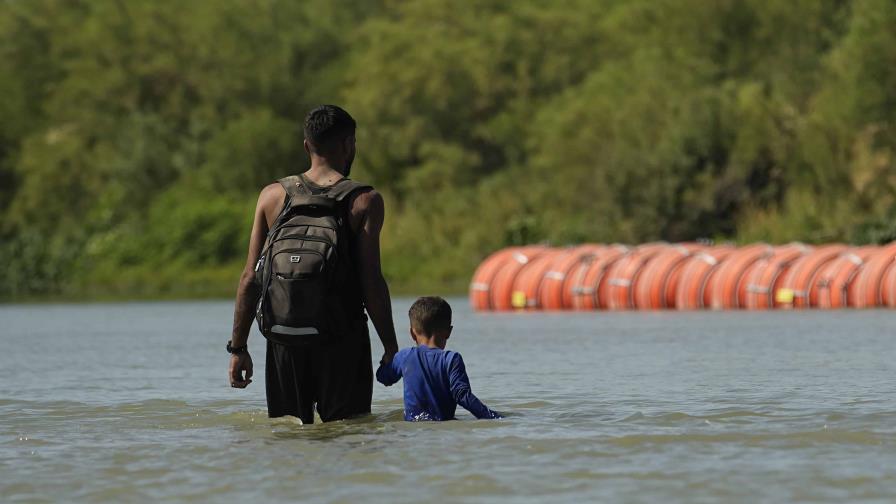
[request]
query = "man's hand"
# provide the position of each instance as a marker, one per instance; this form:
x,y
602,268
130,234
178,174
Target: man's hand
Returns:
x,y
388,354
238,364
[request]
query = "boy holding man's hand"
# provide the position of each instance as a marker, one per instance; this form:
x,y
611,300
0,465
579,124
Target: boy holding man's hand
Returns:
x,y
435,380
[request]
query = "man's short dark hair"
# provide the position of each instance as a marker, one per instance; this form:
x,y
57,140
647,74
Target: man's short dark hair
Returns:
x,y
326,127
430,314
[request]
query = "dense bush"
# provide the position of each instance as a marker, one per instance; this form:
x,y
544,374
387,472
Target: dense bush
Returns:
x,y
135,135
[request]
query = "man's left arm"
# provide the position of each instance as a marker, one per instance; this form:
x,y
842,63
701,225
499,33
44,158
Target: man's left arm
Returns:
x,y
374,288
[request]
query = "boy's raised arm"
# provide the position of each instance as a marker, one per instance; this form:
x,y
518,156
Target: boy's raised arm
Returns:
x,y
460,389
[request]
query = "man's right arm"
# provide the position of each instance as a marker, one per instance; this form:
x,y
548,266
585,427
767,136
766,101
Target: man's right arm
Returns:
x,y
373,284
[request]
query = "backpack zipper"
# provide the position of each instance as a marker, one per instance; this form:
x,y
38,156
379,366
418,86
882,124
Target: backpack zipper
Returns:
x,y
308,225
304,238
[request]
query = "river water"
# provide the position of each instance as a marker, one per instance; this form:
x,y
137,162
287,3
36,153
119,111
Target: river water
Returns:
x,y
130,402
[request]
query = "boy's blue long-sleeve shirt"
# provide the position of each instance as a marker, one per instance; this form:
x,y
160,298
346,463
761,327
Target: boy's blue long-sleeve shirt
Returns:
x,y
435,382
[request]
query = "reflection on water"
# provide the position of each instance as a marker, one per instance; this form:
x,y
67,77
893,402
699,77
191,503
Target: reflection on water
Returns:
x,y
130,402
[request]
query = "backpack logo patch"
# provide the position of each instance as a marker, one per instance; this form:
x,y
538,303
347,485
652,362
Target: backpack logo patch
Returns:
x,y
295,258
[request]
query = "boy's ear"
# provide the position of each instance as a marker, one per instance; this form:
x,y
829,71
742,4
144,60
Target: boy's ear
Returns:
x,y
413,336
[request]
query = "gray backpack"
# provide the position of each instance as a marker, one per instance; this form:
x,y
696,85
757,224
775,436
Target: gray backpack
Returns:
x,y
305,264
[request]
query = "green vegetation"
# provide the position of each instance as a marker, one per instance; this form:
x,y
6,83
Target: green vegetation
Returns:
x,y
135,135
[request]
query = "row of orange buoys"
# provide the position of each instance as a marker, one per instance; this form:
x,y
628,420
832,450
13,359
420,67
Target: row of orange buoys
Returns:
x,y
686,276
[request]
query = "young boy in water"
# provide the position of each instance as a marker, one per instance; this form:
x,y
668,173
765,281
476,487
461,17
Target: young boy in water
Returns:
x,y
435,380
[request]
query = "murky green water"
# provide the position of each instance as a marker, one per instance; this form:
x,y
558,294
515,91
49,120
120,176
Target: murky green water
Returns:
x,y
131,402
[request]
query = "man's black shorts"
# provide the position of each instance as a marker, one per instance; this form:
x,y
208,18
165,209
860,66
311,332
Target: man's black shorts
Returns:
x,y
337,377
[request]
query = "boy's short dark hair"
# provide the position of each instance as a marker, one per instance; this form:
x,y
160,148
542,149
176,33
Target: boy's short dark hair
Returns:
x,y
430,314
327,126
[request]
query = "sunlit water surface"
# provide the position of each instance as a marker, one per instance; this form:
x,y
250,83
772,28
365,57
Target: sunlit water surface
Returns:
x,y
130,402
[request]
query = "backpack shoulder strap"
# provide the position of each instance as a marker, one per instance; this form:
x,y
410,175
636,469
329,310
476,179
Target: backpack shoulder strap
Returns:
x,y
295,189
293,186
345,188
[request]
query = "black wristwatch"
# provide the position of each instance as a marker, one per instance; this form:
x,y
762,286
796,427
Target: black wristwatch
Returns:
x,y
237,350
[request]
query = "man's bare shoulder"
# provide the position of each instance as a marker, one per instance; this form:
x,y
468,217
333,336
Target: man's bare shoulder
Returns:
x,y
369,199
270,201
272,192
366,206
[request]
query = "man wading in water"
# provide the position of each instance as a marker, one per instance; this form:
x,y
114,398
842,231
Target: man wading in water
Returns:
x,y
310,280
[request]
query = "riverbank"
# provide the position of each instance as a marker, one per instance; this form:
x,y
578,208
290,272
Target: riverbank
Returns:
x,y
147,284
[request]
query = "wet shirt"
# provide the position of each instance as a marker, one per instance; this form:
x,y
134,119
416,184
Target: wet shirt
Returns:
x,y
435,382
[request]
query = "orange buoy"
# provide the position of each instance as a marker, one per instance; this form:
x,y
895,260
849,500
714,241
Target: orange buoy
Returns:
x,y
480,286
728,283
589,277
866,289
655,286
750,272
888,287
675,277
685,276
695,273
501,292
833,281
767,274
622,276
528,282
797,288
556,291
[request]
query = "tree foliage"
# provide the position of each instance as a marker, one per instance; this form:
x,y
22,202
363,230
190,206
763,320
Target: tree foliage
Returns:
x,y
135,135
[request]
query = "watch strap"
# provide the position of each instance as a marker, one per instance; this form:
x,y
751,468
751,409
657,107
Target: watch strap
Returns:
x,y
237,350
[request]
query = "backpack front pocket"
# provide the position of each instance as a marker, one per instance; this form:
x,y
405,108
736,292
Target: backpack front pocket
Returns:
x,y
297,264
297,287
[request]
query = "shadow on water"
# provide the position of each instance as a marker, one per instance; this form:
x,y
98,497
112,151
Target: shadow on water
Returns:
x,y
391,422
292,428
